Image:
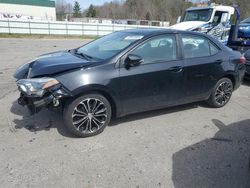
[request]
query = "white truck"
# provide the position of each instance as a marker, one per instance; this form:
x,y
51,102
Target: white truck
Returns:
x,y
213,20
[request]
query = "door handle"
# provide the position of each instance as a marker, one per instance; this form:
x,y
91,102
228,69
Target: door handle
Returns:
x,y
175,69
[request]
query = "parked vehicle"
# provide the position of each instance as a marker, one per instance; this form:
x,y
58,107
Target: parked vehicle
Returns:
x,y
220,22
244,29
234,41
247,56
128,72
213,20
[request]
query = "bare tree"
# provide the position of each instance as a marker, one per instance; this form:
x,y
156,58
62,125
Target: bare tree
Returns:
x,y
164,10
63,9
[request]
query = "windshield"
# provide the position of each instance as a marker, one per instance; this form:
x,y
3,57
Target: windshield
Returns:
x,y
109,45
246,20
198,15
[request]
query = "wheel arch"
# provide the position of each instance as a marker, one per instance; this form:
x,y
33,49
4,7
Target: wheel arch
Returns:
x,y
111,96
231,77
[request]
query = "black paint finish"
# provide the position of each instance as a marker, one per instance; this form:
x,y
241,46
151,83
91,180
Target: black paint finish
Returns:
x,y
145,86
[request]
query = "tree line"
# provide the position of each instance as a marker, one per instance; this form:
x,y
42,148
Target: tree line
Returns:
x,y
162,10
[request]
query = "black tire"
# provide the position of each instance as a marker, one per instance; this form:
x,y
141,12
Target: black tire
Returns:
x,y
220,98
81,117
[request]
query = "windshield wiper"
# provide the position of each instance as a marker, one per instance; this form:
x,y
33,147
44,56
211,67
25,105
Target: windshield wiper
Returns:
x,y
72,50
85,56
88,57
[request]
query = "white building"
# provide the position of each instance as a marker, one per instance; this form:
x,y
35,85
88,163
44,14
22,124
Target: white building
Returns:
x,y
28,9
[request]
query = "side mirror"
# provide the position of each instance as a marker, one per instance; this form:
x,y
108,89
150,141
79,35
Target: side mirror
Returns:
x,y
132,61
247,55
178,19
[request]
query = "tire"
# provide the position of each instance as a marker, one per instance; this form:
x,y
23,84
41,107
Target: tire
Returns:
x,y
87,115
221,93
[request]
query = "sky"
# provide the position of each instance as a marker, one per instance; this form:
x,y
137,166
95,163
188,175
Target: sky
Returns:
x,y
85,3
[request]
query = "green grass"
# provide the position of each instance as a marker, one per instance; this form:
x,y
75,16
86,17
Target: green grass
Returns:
x,y
38,36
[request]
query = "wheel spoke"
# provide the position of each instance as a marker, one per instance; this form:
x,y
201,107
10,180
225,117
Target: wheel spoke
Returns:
x,y
218,96
219,89
100,122
88,105
80,111
96,123
96,108
100,111
90,125
94,105
100,115
86,126
81,124
220,100
80,120
79,115
85,107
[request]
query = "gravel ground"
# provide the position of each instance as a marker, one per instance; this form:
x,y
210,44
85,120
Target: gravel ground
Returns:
x,y
185,146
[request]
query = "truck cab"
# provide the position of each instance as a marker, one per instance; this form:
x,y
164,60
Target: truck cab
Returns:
x,y
203,19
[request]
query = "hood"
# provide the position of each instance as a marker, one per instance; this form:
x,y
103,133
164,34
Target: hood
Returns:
x,y
189,25
52,63
243,25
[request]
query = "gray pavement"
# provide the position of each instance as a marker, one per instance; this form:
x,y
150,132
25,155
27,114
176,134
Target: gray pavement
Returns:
x,y
185,146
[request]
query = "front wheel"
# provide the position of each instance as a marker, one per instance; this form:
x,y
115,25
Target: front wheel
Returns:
x,y
87,115
221,93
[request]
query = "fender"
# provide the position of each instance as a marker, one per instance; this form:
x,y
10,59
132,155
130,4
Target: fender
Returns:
x,y
110,94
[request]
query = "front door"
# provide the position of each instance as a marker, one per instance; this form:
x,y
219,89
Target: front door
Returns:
x,y
158,81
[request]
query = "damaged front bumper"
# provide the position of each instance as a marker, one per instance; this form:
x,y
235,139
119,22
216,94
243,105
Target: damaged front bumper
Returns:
x,y
52,98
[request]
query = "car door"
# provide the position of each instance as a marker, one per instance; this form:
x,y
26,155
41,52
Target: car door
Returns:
x,y
203,60
157,81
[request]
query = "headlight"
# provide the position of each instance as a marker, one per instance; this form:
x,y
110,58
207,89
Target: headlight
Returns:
x,y
36,86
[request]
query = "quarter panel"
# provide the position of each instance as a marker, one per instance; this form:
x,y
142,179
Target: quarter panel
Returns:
x,y
203,73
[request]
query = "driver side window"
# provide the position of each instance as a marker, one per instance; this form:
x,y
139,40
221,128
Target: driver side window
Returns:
x,y
158,49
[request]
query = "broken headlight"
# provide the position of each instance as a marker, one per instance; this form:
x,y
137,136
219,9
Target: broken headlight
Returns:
x,y
36,86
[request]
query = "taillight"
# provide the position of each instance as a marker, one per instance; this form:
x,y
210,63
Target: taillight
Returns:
x,y
242,60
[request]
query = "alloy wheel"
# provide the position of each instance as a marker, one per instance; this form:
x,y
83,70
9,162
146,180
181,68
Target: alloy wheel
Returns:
x,y
89,115
223,92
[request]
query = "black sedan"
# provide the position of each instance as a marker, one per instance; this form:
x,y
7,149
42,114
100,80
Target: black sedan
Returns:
x,y
128,72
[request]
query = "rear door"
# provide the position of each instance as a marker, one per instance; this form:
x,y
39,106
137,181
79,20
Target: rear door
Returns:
x,y
203,60
156,82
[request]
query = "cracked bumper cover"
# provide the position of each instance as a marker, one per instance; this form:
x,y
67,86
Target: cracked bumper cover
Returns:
x,y
51,99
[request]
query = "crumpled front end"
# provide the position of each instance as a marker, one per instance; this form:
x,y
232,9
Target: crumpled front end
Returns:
x,y
38,93
36,83
51,97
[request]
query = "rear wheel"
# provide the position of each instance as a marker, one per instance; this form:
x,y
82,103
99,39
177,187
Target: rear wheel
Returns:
x,y
221,93
87,115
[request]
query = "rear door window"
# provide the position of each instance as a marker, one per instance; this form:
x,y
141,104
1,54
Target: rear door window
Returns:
x,y
196,46
213,49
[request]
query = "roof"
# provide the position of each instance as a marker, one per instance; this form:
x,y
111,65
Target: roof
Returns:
x,y
43,3
149,31
216,7
153,31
